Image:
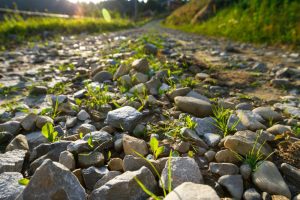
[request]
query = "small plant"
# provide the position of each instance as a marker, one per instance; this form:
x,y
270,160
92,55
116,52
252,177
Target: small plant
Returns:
x,y
90,141
49,132
8,90
221,117
96,97
59,88
189,123
51,111
296,130
24,181
154,145
189,82
253,157
66,67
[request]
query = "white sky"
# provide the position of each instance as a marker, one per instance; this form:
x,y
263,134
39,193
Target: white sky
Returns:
x,y
94,1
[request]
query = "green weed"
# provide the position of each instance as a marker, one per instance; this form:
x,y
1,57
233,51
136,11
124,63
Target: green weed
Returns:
x,y
49,132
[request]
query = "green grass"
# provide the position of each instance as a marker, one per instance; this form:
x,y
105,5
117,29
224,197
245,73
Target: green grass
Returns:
x,y
33,28
268,21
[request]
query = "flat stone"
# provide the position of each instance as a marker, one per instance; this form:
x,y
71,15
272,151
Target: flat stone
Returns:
x,y
141,65
34,139
125,118
12,161
197,96
268,179
226,156
9,185
183,169
291,174
223,168
178,92
234,185
268,114
278,129
83,115
205,125
212,139
250,120
12,127
52,180
192,191
115,164
191,105
124,186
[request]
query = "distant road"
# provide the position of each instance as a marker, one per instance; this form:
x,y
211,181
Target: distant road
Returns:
x,y
4,11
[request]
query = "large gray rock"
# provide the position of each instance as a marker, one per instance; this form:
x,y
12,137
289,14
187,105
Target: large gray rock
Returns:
x,y
268,114
131,144
242,142
183,169
268,179
51,181
19,142
234,185
192,191
12,127
124,187
251,120
34,139
9,185
12,161
125,118
193,106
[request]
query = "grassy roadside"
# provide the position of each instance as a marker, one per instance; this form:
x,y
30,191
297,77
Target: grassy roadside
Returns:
x,y
256,21
17,30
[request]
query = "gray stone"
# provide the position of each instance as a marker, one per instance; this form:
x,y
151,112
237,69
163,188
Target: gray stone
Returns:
x,y
102,138
107,177
42,120
198,96
245,170
115,164
86,128
205,125
139,78
38,90
282,83
12,127
9,185
19,142
92,174
193,106
67,159
278,129
5,137
226,156
34,139
260,67
71,122
234,185
125,187
251,194
83,115
153,85
223,168
141,65
178,92
12,161
192,191
125,118
268,114
291,174
94,158
268,179
28,123
235,123
78,146
102,76
250,120
183,169
191,135
244,106
212,139
122,70
210,155
150,49
131,144
51,181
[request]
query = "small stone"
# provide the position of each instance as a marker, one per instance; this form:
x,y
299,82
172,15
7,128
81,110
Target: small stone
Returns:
x,y
12,127
12,161
139,130
9,185
92,174
102,76
212,139
234,185
86,128
260,67
150,49
198,96
210,155
178,92
71,122
246,171
42,120
249,120
141,65
226,156
192,191
182,147
67,159
115,164
125,118
183,169
122,70
278,129
28,123
131,144
193,106
223,168
291,174
205,125
83,115
19,142
251,194
268,114
5,137
93,158
244,106
268,179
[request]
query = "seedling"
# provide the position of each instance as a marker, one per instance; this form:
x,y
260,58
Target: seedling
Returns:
x,y
49,132
24,181
154,145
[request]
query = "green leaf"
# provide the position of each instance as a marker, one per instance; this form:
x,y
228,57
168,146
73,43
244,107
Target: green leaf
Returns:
x,y
23,181
191,154
90,141
159,151
47,129
106,15
81,135
153,144
108,155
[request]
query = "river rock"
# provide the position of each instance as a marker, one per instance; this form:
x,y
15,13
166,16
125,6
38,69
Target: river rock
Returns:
x,y
268,114
192,191
125,118
223,168
205,125
268,179
193,106
251,194
291,174
279,129
42,120
141,65
234,185
125,187
52,180
184,169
